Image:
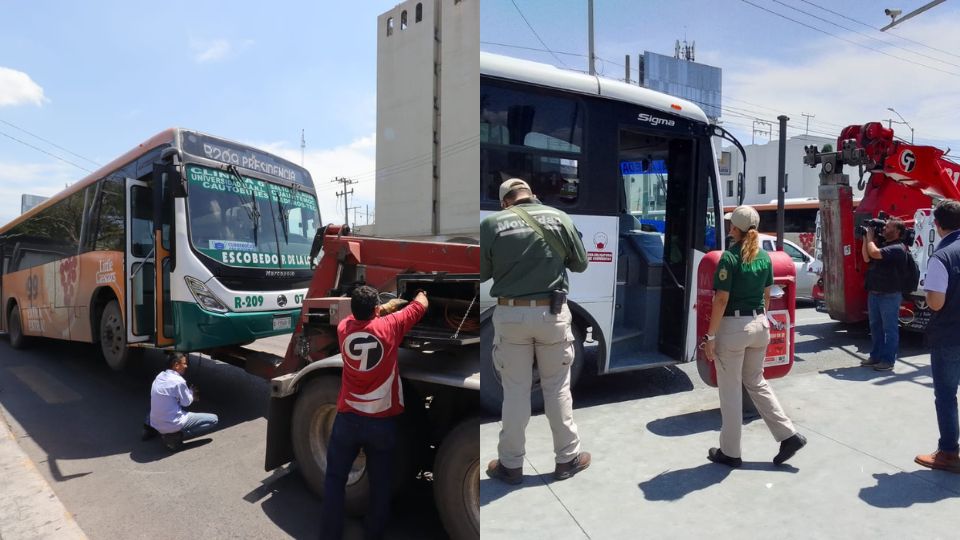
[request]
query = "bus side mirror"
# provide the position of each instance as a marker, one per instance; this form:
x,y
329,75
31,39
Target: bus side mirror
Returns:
x,y
171,180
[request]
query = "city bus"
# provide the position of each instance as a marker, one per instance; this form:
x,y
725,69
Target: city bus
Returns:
x,y
799,220
637,173
188,242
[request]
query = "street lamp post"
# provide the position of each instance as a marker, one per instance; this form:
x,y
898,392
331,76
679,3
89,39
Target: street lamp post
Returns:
x,y
903,120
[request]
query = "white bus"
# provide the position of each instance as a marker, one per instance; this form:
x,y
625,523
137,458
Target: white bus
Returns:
x,y
636,171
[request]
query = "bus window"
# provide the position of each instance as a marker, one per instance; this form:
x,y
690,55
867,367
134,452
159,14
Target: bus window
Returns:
x,y
534,136
141,235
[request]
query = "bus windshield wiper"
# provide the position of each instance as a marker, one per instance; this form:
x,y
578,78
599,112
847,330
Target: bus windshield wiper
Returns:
x,y
282,217
252,211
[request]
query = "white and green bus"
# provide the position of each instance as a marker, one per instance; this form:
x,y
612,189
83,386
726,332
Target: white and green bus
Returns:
x,y
188,242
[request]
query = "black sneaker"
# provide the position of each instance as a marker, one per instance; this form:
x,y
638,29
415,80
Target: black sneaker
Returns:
x,y
789,447
173,441
883,366
717,456
148,432
869,362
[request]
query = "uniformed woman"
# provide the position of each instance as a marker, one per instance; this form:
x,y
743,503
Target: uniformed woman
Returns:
x,y
738,337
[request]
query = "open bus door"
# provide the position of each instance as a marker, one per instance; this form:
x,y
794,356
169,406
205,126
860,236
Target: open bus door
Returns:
x,y
140,263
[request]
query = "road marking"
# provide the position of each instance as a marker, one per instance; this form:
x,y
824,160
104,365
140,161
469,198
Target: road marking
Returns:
x,y
44,385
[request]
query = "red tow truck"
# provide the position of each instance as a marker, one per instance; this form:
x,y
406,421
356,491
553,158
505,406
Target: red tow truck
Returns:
x,y
439,366
901,180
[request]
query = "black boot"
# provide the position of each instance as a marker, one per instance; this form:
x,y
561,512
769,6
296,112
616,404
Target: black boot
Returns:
x,y
148,432
789,447
717,456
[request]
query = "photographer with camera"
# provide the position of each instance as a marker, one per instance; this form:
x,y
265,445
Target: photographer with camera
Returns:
x,y
885,265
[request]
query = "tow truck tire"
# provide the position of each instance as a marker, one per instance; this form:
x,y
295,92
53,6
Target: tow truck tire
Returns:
x,y
456,481
113,337
491,395
17,339
313,417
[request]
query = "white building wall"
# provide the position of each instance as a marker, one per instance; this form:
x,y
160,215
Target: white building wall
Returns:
x,y
803,182
428,149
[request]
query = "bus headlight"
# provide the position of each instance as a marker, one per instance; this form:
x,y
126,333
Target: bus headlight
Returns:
x,y
205,296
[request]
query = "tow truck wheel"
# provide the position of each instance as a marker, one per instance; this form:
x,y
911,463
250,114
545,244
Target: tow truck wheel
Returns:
x,y
17,339
113,337
313,417
456,481
491,395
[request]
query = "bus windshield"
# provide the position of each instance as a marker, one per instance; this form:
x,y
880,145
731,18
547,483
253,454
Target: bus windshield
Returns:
x,y
254,224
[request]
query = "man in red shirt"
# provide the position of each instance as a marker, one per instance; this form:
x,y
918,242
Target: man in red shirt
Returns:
x,y
371,396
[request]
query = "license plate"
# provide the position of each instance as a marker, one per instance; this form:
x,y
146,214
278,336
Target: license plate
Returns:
x,y
281,323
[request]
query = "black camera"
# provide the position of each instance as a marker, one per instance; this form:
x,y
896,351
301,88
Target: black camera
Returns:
x,y
876,224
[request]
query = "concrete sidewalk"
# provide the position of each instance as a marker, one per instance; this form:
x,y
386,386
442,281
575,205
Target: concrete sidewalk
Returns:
x,y
650,477
29,509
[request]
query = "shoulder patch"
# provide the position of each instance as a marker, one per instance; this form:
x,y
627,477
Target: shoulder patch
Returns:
x,y
722,274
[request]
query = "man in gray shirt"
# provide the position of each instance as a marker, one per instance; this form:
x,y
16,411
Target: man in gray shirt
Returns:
x,y
168,397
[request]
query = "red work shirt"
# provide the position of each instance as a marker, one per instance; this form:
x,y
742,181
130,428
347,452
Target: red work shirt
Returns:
x,y
371,379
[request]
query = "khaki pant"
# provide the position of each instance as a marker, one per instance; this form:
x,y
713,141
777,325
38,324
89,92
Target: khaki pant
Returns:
x,y
741,344
524,335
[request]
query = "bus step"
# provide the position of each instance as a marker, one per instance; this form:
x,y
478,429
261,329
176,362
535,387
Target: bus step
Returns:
x,y
623,334
628,360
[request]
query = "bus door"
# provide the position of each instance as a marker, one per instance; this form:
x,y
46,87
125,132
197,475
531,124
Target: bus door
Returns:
x,y
140,262
656,228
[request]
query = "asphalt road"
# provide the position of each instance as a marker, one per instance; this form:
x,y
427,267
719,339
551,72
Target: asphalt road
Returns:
x,y
80,423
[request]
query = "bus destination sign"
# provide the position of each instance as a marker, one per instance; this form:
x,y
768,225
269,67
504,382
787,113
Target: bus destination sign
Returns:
x,y
242,156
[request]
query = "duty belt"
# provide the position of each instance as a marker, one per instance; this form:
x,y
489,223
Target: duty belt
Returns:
x,y
521,302
744,313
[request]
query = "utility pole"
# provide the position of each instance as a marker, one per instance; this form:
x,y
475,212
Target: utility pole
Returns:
x,y
346,182
303,146
626,66
593,70
355,208
368,214
808,117
781,178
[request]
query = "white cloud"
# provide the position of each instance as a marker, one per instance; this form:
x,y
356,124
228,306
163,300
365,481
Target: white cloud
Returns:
x,y
356,160
214,50
17,88
44,179
844,84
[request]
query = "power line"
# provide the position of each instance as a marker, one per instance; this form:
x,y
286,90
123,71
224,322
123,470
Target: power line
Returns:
x,y
948,53
511,46
37,148
884,42
51,143
874,49
535,33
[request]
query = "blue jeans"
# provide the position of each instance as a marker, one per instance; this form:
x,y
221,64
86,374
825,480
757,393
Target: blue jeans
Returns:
x,y
378,438
945,364
198,424
884,310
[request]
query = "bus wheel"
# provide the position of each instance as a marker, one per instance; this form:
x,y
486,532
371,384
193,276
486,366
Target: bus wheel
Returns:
x,y
313,416
491,395
17,339
456,481
113,337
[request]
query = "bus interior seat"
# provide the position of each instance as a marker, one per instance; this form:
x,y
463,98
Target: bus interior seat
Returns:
x,y
639,281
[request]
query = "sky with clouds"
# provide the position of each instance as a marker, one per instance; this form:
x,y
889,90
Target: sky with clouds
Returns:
x,y
84,86
778,56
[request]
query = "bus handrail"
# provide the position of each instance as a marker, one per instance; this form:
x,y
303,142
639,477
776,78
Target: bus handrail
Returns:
x,y
143,262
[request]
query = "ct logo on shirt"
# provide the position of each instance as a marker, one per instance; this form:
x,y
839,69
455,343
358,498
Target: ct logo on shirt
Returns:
x,y
364,349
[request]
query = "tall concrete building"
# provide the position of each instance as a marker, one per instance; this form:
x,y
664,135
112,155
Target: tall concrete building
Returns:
x,y
428,143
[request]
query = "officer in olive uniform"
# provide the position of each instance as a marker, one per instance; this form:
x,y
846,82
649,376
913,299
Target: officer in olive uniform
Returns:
x,y
526,271
737,341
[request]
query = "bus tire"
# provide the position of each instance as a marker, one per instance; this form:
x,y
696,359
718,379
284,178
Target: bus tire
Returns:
x,y
456,481
491,395
313,417
113,337
17,339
